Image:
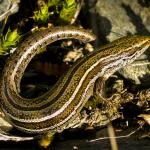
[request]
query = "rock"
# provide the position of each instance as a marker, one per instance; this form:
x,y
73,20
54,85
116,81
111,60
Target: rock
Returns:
x,y
8,7
117,18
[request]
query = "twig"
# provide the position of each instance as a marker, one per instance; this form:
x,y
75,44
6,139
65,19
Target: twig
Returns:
x,y
116,137
111,133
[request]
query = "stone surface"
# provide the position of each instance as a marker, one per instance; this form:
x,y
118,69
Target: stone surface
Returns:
x,y
8,7
117,18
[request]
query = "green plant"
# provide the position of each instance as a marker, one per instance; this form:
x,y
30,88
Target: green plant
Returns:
x,y
9,41
61,12
42,15
68,10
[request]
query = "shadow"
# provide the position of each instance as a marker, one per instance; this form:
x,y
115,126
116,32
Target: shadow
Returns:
x,y
136,20
144,3
100,25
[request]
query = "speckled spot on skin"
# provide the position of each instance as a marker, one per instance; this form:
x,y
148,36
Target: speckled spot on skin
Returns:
x,y
56,108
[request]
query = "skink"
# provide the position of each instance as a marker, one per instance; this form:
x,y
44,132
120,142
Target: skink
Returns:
x,y
55,109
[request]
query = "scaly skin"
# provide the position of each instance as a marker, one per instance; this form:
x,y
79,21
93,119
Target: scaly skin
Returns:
x,y
56,108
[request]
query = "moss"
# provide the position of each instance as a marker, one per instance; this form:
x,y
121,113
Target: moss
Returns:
x,y
9,41
58,11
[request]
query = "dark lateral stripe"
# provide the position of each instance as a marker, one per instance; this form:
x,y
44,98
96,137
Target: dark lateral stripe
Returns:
x,y
75,67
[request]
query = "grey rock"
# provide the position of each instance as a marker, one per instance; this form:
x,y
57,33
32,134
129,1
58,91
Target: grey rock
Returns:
x,y
116,18
8,7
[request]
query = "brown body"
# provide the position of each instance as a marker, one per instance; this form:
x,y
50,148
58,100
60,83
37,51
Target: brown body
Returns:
x,y
55,109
